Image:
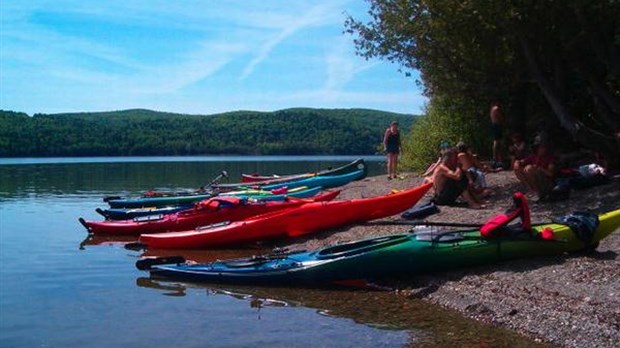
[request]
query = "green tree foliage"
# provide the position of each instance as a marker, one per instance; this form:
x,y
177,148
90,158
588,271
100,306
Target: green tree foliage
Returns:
x,y
551,63
145,133
422,145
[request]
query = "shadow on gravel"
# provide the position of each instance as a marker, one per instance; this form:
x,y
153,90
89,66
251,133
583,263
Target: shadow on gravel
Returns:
x,y
423,285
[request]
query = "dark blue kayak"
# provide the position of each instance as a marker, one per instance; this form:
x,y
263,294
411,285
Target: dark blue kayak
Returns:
x,y
126,214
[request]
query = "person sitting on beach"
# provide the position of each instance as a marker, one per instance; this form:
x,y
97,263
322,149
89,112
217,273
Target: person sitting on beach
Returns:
x,y
450,182
518,149
428,173
537,171
474,170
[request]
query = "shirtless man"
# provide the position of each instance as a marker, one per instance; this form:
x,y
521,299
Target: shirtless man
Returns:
x,y
450,182
474,169
496,130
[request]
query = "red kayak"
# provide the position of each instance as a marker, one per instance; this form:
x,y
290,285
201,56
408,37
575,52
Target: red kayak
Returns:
x,y
206,212
308,218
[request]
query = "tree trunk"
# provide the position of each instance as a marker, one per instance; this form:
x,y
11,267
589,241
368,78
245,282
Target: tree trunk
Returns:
x,y
587,137
566,119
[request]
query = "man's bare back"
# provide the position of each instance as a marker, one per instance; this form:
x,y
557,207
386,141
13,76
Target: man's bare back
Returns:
x,y
442,173
496,114
467,160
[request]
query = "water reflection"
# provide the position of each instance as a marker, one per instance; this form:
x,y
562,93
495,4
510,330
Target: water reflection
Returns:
x,y
125,178
428,325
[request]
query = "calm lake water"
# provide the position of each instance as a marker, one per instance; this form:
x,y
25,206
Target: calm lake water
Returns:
x,y
56,292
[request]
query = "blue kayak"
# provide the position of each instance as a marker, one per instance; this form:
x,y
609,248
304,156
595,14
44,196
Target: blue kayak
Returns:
x,y
323,181
315,181
130,213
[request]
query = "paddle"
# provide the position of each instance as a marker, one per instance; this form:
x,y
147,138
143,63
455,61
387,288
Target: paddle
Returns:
x,y
436,236
223,174
424,223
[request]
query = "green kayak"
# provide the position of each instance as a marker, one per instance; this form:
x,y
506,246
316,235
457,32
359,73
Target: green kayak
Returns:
x,y
413,253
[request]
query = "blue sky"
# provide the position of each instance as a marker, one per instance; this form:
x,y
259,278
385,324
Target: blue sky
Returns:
x,y
196,57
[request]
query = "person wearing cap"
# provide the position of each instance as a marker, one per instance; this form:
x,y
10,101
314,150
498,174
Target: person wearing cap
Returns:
x,y
392,146
537,171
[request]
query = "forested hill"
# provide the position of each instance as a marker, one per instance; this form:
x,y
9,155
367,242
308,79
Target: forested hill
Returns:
x,y
144,132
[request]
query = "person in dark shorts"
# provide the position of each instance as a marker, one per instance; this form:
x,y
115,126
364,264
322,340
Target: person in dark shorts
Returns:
x,y
450,182
392,145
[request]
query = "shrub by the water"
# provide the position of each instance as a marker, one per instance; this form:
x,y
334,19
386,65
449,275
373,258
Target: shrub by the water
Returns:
x,y
445,122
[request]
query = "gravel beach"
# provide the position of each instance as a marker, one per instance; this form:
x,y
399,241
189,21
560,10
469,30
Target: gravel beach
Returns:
x,y
567,300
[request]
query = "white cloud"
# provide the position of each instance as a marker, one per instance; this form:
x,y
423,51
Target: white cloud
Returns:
x,y
342,65
193,67
231,39
319,15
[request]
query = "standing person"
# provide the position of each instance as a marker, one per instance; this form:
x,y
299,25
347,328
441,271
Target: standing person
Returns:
x,y
496,131
392,145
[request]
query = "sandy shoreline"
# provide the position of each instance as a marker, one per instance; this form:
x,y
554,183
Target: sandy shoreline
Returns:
x,y
568,300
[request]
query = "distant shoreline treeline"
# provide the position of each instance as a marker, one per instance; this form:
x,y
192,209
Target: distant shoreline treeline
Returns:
x,y
141,132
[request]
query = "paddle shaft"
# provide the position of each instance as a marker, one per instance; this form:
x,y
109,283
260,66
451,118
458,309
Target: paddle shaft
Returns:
x,y
217,178
426,223
432,223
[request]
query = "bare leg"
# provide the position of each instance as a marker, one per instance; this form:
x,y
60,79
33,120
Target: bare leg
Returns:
x,y
544,185
520,174
532,175
390,165
497,152
471,201
394,163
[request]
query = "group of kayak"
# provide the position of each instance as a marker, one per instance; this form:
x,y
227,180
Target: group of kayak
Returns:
x,y
266,207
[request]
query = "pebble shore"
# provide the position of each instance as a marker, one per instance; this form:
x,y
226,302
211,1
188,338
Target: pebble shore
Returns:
x,y
567,300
